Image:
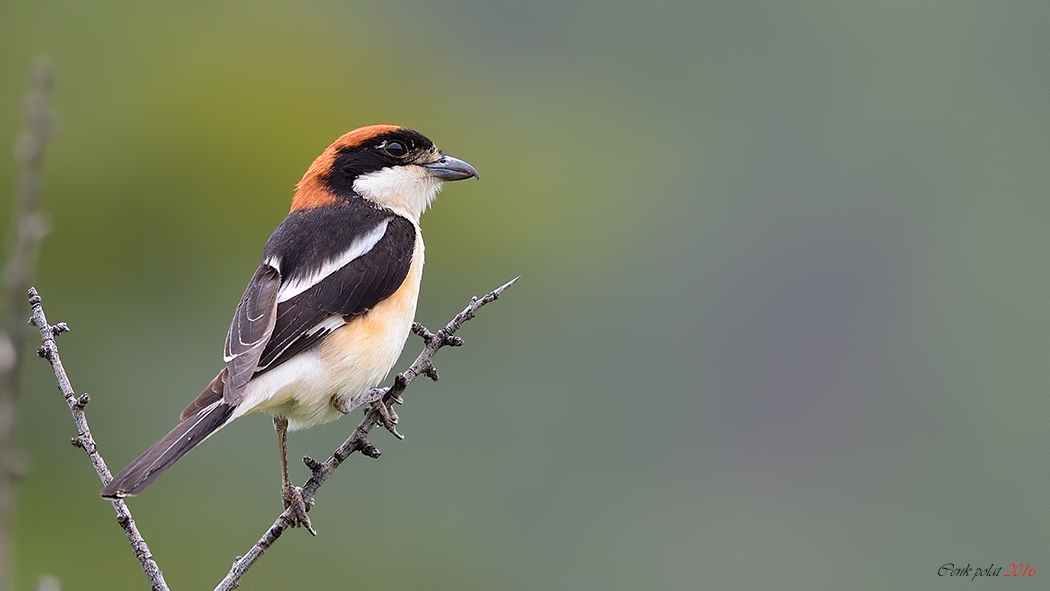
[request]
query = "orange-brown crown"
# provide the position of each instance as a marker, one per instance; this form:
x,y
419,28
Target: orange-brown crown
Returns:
x,y
310,191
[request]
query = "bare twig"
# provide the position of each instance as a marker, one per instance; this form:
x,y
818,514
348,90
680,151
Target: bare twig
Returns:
x,y
49,350
379,413
27,230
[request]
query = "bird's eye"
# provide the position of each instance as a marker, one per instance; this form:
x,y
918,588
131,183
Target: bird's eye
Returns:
x,y
395,149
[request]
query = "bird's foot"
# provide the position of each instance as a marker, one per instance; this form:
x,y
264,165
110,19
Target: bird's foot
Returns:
x,y
349,405
293,499
387,417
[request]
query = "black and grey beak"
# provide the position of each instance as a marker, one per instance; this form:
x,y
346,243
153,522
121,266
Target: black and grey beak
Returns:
x,y
451,169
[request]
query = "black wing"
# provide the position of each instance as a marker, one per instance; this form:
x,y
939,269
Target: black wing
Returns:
x,y
350,291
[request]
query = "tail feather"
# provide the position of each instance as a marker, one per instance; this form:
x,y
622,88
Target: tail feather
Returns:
x,y
185,436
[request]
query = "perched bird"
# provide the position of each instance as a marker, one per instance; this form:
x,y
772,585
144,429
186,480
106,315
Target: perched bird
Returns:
x,y
329,309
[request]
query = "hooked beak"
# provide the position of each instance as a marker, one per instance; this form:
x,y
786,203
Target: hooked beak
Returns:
x,y
451,169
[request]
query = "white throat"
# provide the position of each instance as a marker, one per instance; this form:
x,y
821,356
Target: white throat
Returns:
x,y
407,189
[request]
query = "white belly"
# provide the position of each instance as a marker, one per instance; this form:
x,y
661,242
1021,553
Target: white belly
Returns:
x,y
346,364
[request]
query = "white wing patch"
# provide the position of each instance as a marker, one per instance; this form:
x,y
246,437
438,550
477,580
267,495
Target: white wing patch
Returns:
x,y
274,262
331,323
360,247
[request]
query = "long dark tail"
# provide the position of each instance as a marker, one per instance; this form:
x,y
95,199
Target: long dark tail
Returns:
x,y
158,458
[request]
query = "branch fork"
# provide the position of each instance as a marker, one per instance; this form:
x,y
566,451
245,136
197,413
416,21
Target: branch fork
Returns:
x,y
379,412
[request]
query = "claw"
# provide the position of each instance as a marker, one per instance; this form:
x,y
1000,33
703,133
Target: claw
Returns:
x,y
387,417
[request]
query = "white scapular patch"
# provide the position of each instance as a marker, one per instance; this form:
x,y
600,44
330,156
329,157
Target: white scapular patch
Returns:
x,y
407,189
331,323
360,247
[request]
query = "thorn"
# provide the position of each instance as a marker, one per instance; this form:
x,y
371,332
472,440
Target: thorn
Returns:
x,y
41,351
60,328
77,442
496,293
369,450
122,519
312,464
453,341
423,332
431,372
82,401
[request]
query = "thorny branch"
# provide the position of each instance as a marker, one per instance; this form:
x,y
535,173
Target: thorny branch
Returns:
x,y
380,412
28,229
49,350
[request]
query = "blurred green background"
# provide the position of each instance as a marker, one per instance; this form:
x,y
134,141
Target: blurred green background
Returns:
x,y
782,321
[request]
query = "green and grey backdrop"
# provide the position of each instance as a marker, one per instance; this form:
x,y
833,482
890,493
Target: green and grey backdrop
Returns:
x,y
782,323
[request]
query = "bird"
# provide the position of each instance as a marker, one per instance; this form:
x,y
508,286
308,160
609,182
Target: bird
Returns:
x,y
330,307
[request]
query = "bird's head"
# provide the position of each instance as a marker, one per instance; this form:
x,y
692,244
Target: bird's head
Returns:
x,y
393,166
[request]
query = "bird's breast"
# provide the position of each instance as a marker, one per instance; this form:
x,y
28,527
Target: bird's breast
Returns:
x,y
358,356
364,350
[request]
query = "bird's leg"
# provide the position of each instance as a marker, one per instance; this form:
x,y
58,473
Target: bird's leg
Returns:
x,y
292,495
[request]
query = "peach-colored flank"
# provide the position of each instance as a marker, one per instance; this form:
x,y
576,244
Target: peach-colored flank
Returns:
x,y
310,192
